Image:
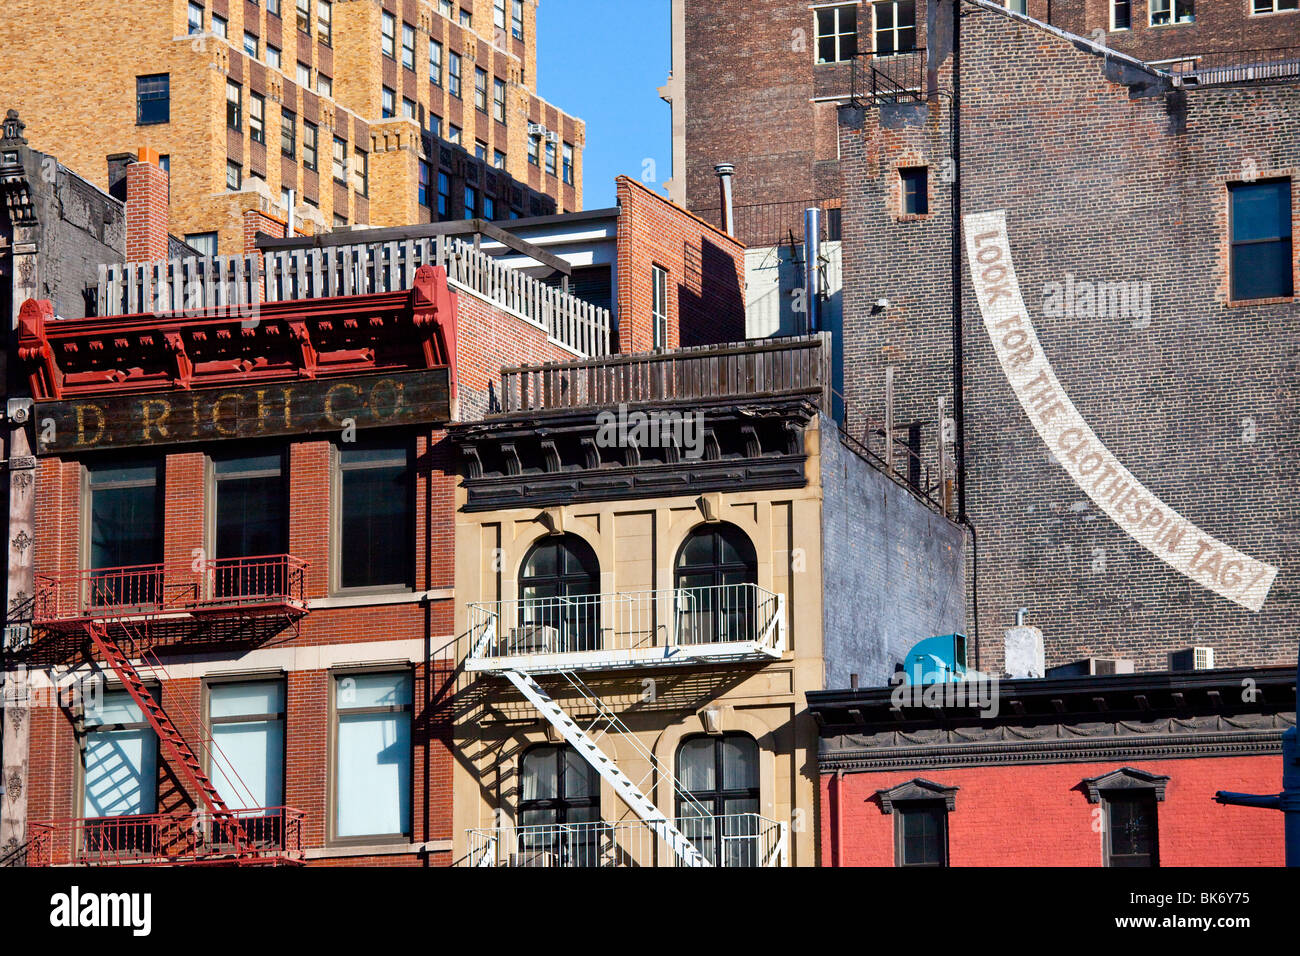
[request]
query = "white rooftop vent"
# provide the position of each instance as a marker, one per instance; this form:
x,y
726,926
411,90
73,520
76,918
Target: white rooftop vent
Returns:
x,y
1192,659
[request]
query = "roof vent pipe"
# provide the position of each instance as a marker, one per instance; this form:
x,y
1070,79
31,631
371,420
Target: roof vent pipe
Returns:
x,y
1020,616
853,681
725,172
812,256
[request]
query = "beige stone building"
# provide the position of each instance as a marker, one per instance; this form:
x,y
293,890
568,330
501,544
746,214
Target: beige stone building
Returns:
x,y
646,590
357,106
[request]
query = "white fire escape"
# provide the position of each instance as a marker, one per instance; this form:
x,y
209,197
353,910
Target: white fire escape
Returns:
x,y
521,640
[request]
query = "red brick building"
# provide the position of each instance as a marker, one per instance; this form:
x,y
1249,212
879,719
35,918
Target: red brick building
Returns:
x,y
1091,771
235,613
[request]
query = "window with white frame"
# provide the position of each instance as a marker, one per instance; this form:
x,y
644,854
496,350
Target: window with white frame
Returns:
x,y
1274,6
659,305
895,27
1165,12
837,33
1018,6
1121,14
247,723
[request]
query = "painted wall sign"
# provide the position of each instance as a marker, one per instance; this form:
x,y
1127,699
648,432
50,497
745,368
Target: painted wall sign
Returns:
x,y
253,411
1148,520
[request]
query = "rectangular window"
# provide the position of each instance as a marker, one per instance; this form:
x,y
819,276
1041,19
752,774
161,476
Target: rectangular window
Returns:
x,y
425,173
498,159
453,75
205,243
480,89
499,16
550,157
324,85
489,208
304,75
837,33
361,163
1132,838
388,40
409,109
1260,215
517,19
273,7
288,134
273,56
119,766
388,103
1164,12
126,528
921,833
444,195
304,16
916,190
325,21
234,175
659,305
567,167
195,18
466,18
1121,15
251,44
257,117
372,755
340,160
534,145
453,134
1018,6
375,532
234,105
895,27
153,99
480,149
1275,6
246,719
471,202
435,62
309,145
447,8
499,99
435,125
250,512
408,46
219,26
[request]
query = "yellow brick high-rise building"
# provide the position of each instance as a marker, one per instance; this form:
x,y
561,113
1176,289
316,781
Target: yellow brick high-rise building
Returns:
x,y
358,106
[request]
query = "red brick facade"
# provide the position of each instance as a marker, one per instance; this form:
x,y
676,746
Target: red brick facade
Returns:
x,y
1040,815
146,210
705,273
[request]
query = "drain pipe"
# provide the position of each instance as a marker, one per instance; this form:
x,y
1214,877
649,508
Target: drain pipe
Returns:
x,y
725,171
958,376
812,253
291,217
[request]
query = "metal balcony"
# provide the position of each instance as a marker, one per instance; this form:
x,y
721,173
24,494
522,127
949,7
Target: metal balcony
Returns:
x,y
737,840
722,624
269,836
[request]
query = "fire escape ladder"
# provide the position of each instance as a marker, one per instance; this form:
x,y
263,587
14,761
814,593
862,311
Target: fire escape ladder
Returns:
x,y
180,755
582,741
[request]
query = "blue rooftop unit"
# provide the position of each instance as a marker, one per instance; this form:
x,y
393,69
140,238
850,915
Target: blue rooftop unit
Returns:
x,y
936,660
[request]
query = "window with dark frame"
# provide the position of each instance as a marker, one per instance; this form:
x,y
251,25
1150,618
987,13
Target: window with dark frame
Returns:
x,y
499,99
408,46
234,175
558,582
471,201
714,564
566,164
361,166
195,18
372,756
304,16
339,160
257,117
220,26
388,102
153,101
309,146
125,533
444,196
288,134
388,35
453,74
425,173
920,833
325,22
250,520
550,158
916,190
1132,833
435,62
1261,258
517,19
376,532
234,105
559,791
480,89
251,44
719,773
837,33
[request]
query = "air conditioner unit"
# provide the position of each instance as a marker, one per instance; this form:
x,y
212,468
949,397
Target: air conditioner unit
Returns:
x,y
1092,667
552,136
17,636
1192,659
536,129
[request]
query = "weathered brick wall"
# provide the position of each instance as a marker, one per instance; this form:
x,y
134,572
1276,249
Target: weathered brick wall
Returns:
x,y
1218,27
706,273
1040,816
1199,403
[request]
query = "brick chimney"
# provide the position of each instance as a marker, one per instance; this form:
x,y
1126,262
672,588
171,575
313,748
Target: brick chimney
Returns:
x,y
146,209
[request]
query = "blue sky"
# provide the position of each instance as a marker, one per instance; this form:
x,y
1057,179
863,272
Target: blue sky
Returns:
x,y
602,61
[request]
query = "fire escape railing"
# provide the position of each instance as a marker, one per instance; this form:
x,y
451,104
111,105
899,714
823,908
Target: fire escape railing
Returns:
x,y
888,79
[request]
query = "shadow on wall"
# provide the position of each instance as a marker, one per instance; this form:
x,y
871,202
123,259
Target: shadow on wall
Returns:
x,y
717,312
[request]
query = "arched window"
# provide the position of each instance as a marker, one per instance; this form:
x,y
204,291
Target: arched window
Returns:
x,y
715,573
559,593
559,792
720,777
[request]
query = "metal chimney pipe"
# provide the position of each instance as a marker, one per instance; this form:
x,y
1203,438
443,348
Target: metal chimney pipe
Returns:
x,y
725,172
853,681
1020,616
812,251
291,218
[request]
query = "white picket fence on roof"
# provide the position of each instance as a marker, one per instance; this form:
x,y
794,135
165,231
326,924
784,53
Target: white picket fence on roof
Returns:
x,y
236,284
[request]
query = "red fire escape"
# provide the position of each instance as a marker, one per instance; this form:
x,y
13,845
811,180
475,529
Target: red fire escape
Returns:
x,y
127,614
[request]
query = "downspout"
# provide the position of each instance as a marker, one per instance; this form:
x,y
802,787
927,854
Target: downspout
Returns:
x,y
839,817
958,377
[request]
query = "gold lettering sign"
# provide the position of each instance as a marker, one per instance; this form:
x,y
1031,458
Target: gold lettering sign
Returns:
x,y
295,408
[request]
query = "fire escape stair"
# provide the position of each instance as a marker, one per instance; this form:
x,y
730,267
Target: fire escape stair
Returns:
x,y
582,742
180,755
